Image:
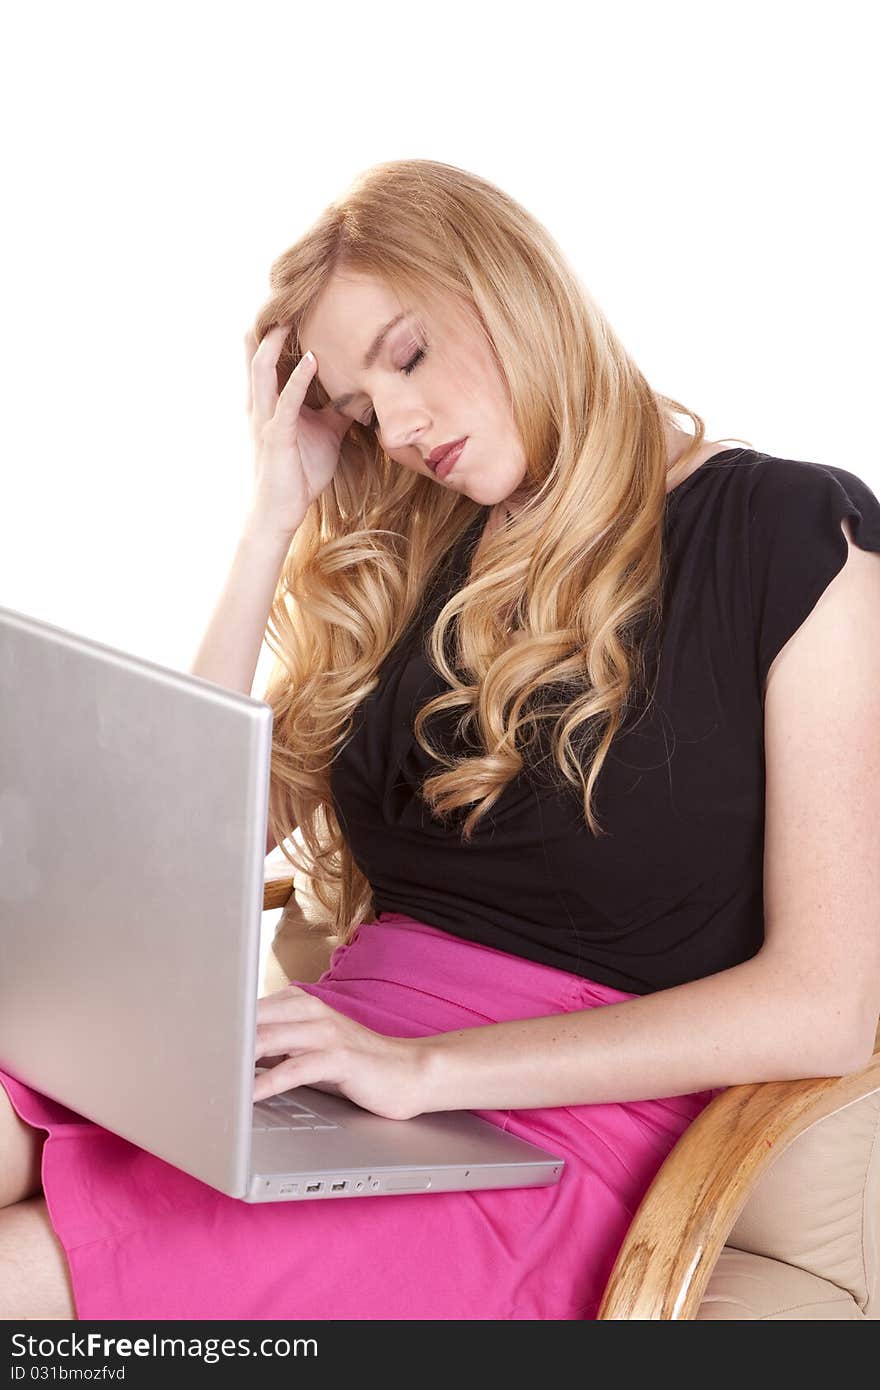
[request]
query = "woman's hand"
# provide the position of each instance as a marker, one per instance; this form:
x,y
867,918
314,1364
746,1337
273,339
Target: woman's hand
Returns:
x,y
296,449
314,1045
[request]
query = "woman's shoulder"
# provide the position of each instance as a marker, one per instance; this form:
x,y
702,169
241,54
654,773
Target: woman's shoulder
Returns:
x,y
775,479
787,537
766,482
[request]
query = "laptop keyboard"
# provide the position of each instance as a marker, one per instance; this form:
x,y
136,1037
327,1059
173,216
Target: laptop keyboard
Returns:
x,y
280,1112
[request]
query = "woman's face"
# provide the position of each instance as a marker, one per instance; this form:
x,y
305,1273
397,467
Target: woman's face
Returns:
x,y
429,384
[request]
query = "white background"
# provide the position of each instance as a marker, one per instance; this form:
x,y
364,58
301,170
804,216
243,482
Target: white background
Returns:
x,y
707,169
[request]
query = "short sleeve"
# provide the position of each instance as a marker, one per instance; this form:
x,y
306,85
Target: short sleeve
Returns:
x,y
797,546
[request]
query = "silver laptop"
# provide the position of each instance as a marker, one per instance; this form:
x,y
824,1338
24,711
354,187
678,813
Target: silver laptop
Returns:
x,y
133,810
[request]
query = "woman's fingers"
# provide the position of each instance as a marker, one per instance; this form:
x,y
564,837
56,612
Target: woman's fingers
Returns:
x,y
294,393
250,347
289,1035
262,382
288,1003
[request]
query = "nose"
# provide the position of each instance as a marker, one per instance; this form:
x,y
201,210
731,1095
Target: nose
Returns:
x,y
398,436
400,424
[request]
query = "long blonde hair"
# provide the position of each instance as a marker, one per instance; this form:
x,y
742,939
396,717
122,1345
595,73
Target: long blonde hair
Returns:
x,y
556,598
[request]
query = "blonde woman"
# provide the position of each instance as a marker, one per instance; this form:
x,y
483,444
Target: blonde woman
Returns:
x,y
579,729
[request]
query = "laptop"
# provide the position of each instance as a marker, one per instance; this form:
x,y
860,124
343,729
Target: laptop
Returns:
x,y
133,817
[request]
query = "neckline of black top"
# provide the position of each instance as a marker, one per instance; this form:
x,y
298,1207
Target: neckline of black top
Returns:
x,y
723,456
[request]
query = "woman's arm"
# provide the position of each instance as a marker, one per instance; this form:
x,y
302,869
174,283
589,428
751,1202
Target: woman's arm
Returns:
x,y
743,1025
229,651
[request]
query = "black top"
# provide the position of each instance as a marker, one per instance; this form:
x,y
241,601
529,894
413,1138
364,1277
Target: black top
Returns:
x,y
674,891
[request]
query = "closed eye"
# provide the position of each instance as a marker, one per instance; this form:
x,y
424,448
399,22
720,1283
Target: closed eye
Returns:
x,y
411,365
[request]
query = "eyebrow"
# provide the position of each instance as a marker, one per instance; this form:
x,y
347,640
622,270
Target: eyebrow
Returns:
x,y
371,354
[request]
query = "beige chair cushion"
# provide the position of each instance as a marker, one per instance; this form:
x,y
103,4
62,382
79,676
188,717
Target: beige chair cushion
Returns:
x,y
746,1287
807,1242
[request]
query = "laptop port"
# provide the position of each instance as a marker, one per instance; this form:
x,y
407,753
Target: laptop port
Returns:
x,y
338,1186
314,1186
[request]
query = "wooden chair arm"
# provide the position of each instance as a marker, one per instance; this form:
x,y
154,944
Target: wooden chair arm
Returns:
x,y
277,885
688,1212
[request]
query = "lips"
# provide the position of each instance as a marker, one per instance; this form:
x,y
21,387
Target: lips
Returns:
x,y
437,455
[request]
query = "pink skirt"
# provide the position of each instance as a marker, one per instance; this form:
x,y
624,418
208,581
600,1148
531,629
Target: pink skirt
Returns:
x,y
144,1240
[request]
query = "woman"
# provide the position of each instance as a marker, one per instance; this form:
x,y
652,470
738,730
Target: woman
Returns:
x,y
566,726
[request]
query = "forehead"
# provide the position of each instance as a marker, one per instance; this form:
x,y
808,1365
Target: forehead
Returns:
x,y
347,304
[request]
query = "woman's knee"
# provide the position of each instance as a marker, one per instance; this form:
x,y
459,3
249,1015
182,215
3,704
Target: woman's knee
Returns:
x,y
37,1283
21,1155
